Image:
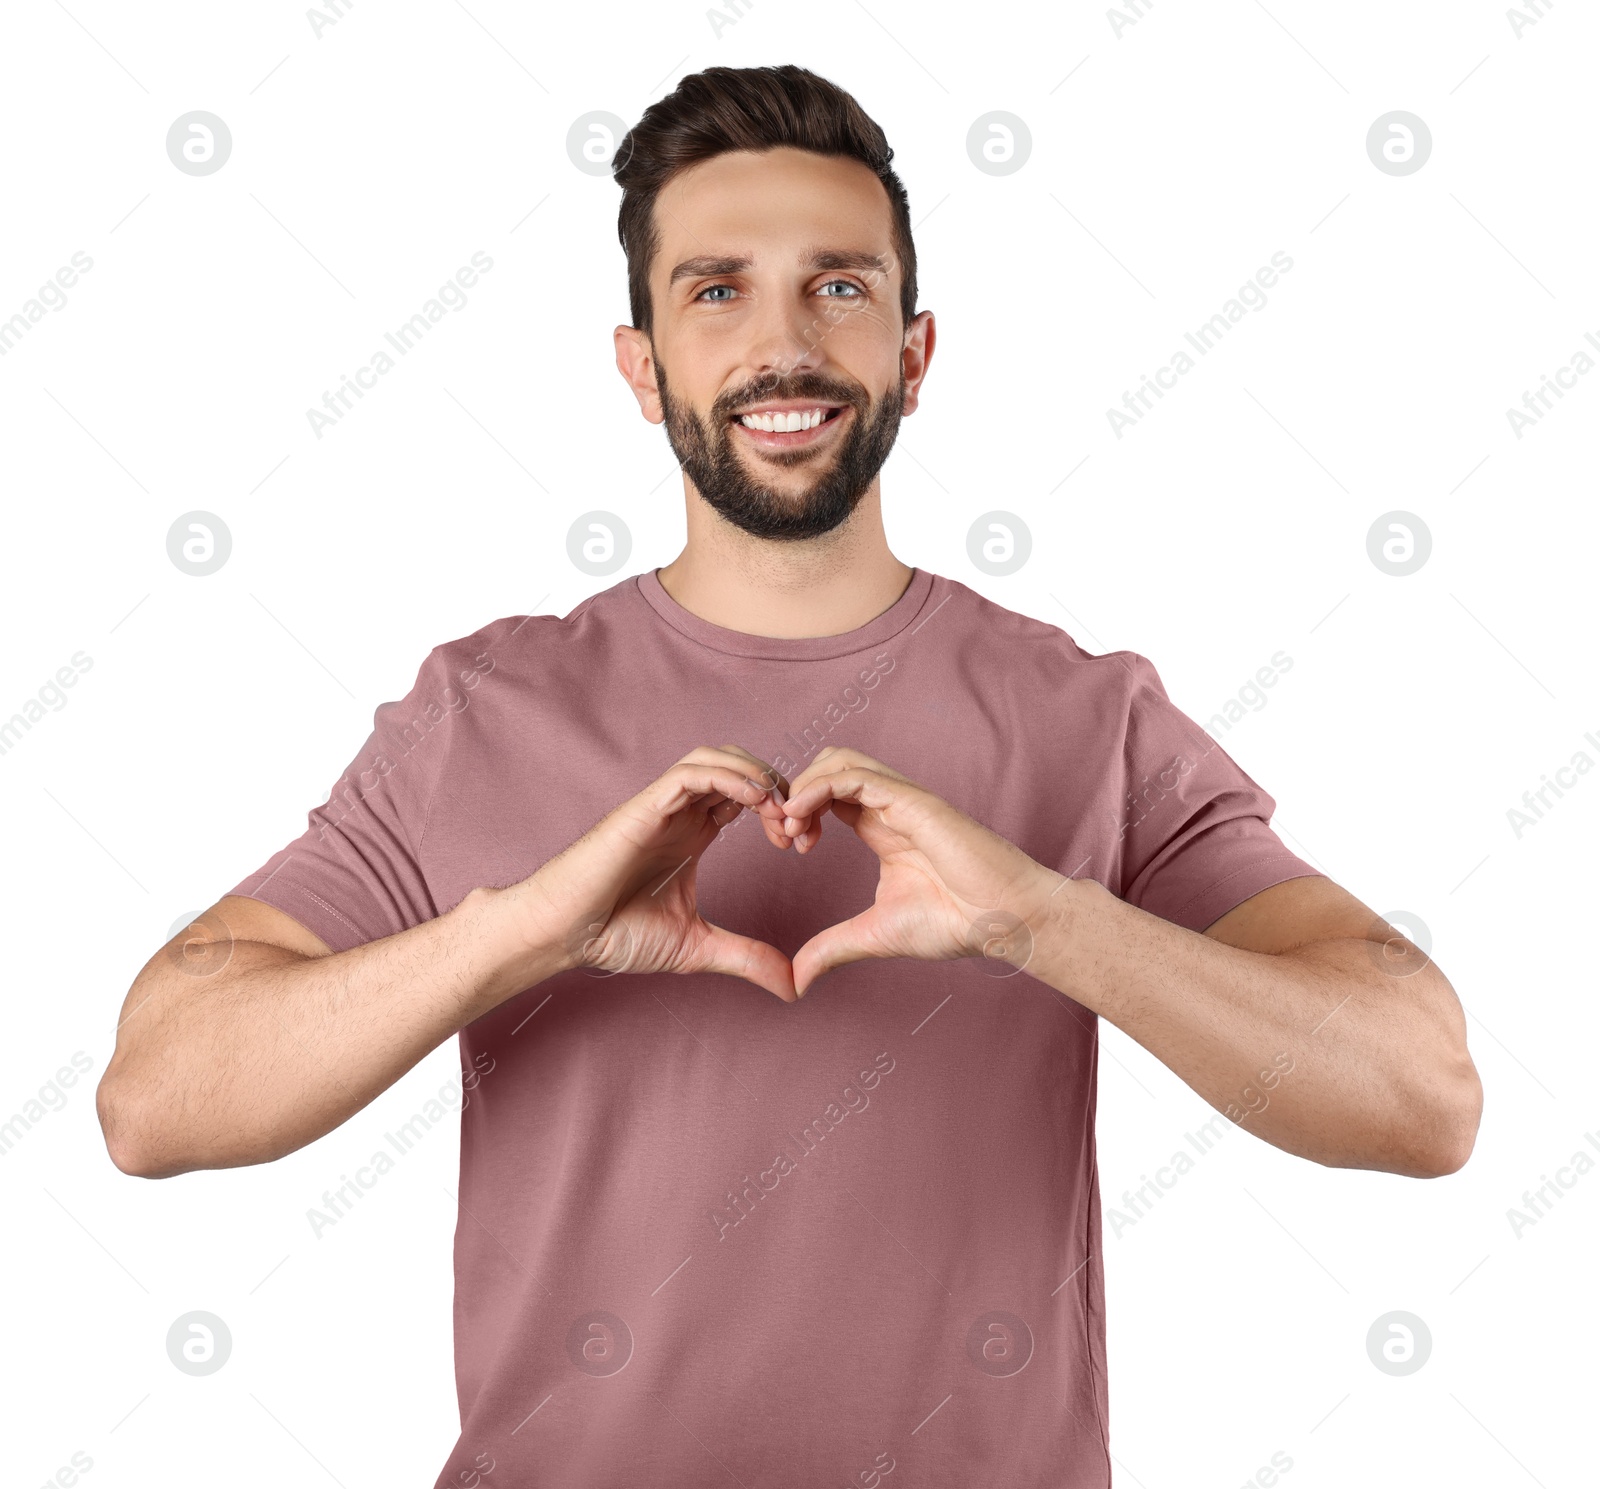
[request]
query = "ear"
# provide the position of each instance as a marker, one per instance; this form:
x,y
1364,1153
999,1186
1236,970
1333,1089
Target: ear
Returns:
x,y
915,356
636,363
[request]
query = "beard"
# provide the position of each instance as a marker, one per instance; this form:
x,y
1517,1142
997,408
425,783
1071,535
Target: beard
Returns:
x,y
705,450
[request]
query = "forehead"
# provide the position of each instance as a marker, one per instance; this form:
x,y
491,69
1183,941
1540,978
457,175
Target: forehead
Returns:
x,y
771,205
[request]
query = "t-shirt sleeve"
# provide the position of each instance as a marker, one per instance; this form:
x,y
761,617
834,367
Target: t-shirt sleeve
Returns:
x,y
356,874
1196,838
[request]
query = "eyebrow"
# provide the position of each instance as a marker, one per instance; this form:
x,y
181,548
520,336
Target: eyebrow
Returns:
x,y
711,265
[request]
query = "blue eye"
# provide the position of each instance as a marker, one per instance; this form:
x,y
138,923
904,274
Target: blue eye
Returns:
x,y
720,294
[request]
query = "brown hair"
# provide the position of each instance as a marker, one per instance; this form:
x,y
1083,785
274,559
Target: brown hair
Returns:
x,y
746,108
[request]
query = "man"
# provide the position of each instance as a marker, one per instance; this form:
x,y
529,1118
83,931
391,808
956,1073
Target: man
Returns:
x,y
853,1229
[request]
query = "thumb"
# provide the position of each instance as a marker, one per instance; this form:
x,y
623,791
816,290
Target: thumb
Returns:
x,y
743,956
852,940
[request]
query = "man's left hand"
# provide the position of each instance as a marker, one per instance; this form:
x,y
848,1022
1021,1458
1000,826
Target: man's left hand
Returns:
x,y
940,873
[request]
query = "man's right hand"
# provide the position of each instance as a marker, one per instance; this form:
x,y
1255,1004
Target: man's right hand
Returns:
x,y
246,989
622,898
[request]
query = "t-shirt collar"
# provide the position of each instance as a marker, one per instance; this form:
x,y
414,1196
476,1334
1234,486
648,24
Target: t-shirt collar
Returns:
x,y
875,632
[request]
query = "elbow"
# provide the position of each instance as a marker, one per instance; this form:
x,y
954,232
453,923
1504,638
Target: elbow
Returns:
x,y
1450,1156
1445,1130
128,1138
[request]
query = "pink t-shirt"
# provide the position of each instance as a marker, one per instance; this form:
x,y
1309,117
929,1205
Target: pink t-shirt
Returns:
x,y
707,1235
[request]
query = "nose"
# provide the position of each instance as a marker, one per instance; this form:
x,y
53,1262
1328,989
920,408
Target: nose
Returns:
x,y
785,338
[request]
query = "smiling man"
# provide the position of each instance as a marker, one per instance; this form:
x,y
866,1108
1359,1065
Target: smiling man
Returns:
x,y
851,1229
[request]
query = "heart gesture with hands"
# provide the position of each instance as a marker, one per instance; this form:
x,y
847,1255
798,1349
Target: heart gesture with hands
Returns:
x,y
940,873
622,898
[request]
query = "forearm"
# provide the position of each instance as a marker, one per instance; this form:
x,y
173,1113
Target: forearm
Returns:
x,y
1315,1050
270,1050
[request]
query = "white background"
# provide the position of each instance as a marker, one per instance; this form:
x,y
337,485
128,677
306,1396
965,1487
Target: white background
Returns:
x,y
368,164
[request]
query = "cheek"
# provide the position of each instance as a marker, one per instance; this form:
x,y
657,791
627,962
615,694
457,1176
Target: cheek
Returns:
x,y
699,361
872,336
866,350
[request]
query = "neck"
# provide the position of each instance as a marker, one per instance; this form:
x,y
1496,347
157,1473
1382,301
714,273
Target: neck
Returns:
x,y
820,587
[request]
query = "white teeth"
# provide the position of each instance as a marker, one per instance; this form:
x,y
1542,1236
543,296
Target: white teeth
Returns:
x,y
784,423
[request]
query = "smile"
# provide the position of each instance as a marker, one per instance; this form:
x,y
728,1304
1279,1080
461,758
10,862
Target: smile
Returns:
x,y
790,428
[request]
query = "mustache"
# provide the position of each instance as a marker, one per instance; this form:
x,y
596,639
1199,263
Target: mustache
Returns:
x,y
800,385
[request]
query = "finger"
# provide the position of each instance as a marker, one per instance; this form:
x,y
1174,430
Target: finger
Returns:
x,y
770,808
857,784
764,771
767,813
740,956
805,831
772,815
773,820
833,758
804,820
743,760
776,834
804,826
684,785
